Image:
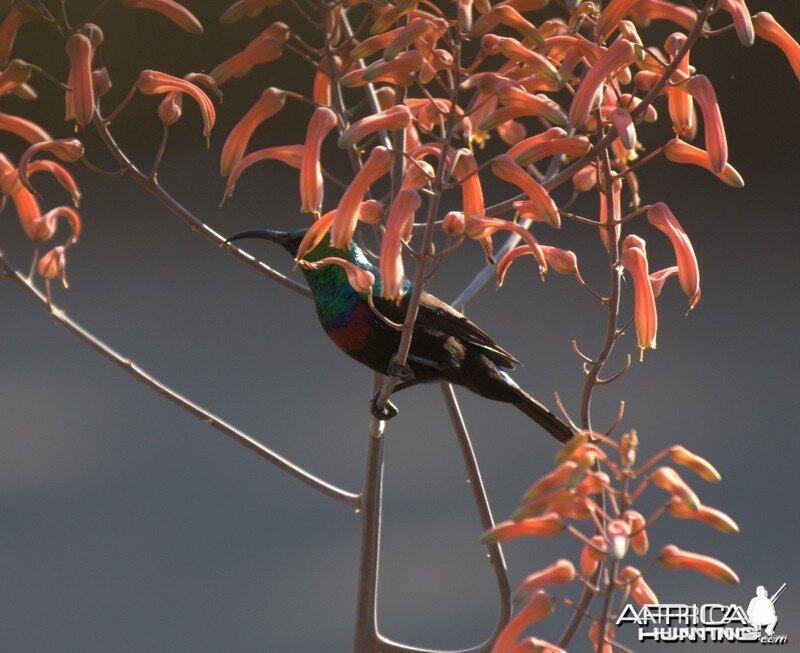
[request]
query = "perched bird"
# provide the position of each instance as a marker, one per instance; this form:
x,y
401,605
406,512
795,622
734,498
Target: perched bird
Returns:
x,y
445,344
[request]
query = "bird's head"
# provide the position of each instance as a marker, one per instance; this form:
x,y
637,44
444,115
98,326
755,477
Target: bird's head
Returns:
x,y
288,240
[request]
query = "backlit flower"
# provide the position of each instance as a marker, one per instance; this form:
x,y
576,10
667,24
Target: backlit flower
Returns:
x,y
291,155
177,13
559,573
398,231
399,70
242,8
620,54
505,168
674,558
266,47
311,181
23,128
54,265
539,607
61,175
44,227
659,278
18,15
711,516
769,29
68,150
646,10
454,223
716,143
660,216
80,97
405,36
505,14
571,146
271,101
670,481
634,260
559,476
534,105
612,14
344,224
741,19
397,117
679,151
153,82
699,465
314,235
623,123
482,230
360,279
548,525
516,51
466,171
561,260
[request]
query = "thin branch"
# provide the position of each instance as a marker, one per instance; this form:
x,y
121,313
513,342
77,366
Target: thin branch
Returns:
x,y
127,365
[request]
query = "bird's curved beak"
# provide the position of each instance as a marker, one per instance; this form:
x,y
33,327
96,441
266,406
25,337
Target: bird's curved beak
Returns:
x,y
280,237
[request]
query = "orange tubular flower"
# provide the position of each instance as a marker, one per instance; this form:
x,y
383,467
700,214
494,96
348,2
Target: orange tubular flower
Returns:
x,y
311,182
539,607
560,572
464,14
592,554
80,98
271,101
66,149
614,12
670,481
572,146
25,129
242,8
560,260
505,168
398,71
741,20
466,171
62,176
177,13
646,10
535,105
640,542
17,16
699,87
711,516
316,232
44,227
548,525
680,103
291,155
697,464
360,279
482,229
398,231
641,592
674,558
563,473
645,316
769,29
405,36
678,151
54,265
344,224
16,73
370,212
585,179
659,278
663,219
504,14
153,82
516,51
619,55
266,47
397,117
511,132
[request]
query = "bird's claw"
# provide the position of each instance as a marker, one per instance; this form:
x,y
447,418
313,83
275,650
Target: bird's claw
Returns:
x,y
402,372
388,411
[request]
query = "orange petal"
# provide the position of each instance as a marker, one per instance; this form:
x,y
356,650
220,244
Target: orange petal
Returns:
x,y
612,14
592,554
664,220
466,171
23,128
711,516
646,10
659,278
678,151
535,105
177,13
634,260
81,95
242,8
54,265
266,47
62,176
398,231
641,592
699,87
311,181
153,82
640,542
741,19
360,279
674,558
505,168
670,481
291,155
699,465
397,117
271,101
548,525
769,29
539,607
18,15
560,572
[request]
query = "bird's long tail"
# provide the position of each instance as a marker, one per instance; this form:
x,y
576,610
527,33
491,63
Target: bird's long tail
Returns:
x,y
543,417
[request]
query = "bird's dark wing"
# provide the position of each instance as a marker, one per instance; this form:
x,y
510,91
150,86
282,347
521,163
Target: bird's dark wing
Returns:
x,y
436,315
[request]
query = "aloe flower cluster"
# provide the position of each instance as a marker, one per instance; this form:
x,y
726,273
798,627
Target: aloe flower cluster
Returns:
x,y
598,508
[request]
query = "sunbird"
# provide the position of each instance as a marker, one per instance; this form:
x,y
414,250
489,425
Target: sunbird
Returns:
x,y
445,344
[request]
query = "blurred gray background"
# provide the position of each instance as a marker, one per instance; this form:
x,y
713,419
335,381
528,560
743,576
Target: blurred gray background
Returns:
x,y
129,525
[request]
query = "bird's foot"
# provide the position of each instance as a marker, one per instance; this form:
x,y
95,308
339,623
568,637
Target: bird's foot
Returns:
x,y
386,413
402,372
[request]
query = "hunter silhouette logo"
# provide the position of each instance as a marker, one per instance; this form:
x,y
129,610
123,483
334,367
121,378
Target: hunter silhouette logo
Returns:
x,y
709,622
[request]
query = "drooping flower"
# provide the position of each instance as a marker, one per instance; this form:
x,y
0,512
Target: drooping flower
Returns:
x,y
539,607
266,47
399,70
398,231
699,465
559,573
80,97
405,36
454,223
561,260
23,128
171,107
769,29
634,260
242,8
61,175
370,212
466,171
641,592
314,235
16,73
101,81
572,146
175,12
612,14
44,226
394,118
505,14
344,224
153,82
548,525
659,278
741,20
271,101
482,230
626,130
516,51
18,15
505,168
559,476
679,151
291,155
360,280
670,481
311,180
711,516
511,132
592,554
660,216
534,105
594,637
646,10
54,265
640,542
674,558
699,87
68,150
620,54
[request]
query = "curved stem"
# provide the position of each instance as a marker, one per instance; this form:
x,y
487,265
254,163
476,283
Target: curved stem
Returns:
x,y
141,375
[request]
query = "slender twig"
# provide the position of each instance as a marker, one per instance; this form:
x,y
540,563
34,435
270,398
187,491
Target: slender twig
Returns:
x,y
173,396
